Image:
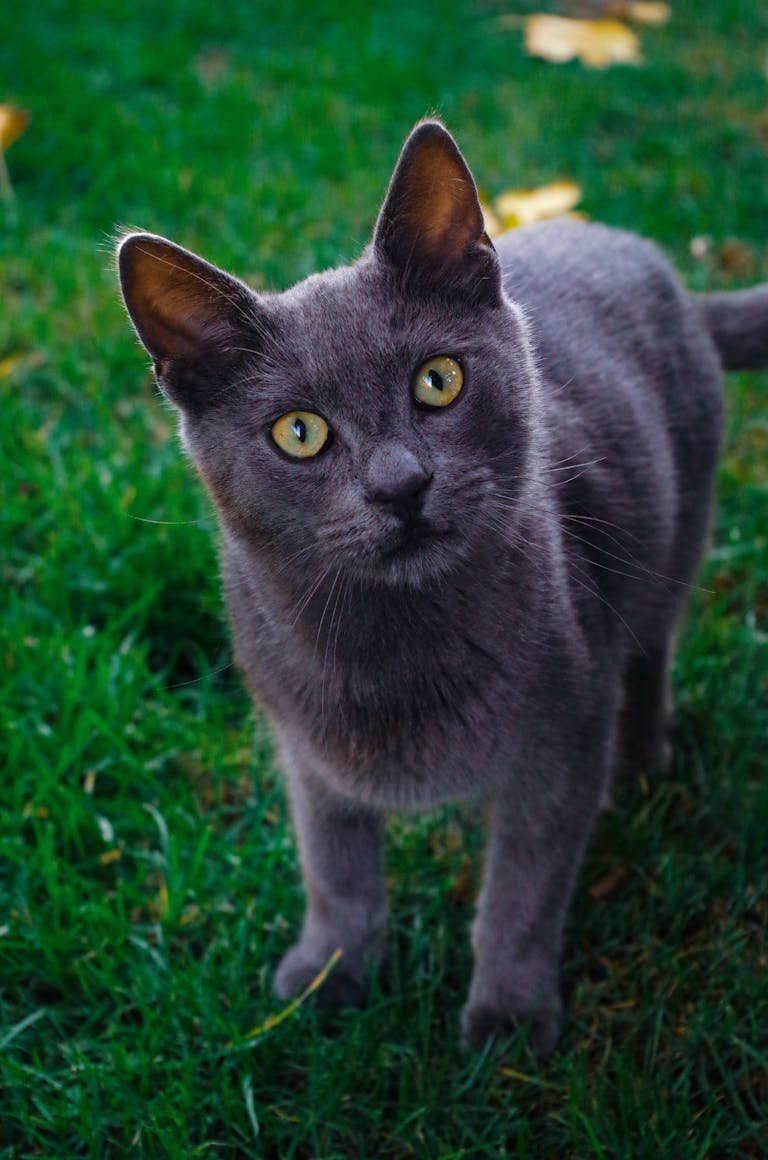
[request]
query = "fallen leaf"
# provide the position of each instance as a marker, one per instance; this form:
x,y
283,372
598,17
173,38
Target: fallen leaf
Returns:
x,y
11,363
736,258
190,914
520,207
8,365
648,12
13,122
606,885
699,247
597,43
493,226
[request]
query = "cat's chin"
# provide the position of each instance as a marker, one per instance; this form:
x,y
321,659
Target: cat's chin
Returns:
x,y
412,563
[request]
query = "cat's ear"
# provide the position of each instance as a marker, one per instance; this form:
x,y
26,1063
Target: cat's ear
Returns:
x,y
193,319
431,226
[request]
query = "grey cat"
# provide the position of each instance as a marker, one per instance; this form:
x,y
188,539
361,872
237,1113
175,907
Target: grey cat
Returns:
x,y
463,492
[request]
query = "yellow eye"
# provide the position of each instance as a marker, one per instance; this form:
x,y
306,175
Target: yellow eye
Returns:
x,y
438,382
300,433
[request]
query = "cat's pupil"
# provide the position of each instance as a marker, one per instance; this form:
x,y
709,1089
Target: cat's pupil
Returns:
x,y
300,430
435,379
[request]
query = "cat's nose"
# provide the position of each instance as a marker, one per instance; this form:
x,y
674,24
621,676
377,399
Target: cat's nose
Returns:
x,y
395,477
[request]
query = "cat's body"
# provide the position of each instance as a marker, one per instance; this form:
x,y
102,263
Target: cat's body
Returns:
x,y
471,599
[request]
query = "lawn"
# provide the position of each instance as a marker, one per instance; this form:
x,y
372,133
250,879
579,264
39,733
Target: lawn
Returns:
x,y
148,875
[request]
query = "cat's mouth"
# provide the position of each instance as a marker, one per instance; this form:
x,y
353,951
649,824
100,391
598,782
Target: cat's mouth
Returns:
x,y
407,553
413,553
412,537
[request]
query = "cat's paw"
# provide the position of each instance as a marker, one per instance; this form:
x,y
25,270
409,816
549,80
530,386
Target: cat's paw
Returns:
x,y
341,989
482,1021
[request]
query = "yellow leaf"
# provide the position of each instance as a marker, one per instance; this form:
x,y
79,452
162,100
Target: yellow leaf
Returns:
x,y
597,43
606,886
190,914
648,12
493,227
520,207
12,362
8,365
13,122
110,856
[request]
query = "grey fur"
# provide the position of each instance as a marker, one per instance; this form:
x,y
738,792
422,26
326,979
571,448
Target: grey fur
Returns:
x,y
479,600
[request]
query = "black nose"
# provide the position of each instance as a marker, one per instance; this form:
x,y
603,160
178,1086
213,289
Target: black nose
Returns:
x,y
395,477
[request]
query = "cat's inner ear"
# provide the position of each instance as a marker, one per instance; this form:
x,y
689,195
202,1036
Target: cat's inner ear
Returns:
x,y
184,309
431,222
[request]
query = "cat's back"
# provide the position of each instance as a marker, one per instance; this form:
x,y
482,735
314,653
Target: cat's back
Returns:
x,y
612,326
574,266
631,383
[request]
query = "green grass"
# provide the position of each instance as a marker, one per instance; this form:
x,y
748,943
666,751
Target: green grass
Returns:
x,y
148,877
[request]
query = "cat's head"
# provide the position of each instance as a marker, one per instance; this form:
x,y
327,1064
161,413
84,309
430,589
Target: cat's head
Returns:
x,y
375,418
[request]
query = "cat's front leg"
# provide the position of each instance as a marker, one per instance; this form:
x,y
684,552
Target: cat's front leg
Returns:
x,y
534,851
340,846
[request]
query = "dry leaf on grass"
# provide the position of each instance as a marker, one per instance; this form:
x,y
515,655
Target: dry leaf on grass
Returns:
x,y
647,12
521,207
12,362
13,122
598,43
493,224
605,886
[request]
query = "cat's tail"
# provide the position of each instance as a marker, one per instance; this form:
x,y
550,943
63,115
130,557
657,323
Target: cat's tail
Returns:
x,y
738,322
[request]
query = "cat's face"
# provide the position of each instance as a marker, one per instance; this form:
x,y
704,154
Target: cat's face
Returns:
x,y
371,421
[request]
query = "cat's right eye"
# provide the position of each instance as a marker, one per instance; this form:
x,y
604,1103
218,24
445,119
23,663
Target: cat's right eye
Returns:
x,y
301,434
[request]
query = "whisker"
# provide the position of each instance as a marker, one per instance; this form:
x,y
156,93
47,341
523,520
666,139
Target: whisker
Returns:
x,y
573,466
607,603
325,609
197,680
166,523
307,597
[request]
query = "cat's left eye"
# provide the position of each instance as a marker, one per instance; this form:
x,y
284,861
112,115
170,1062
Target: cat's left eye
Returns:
x,y
438,382
301,434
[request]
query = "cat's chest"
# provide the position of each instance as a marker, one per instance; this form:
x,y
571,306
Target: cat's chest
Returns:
x,y
405,712
404,734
